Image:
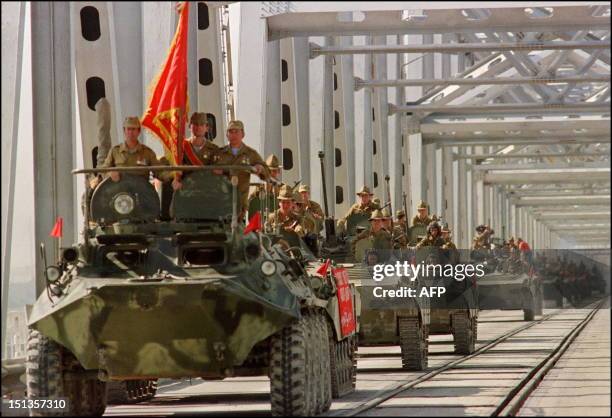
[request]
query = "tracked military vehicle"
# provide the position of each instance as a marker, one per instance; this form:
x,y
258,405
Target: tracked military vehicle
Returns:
x,y
140,299
508,283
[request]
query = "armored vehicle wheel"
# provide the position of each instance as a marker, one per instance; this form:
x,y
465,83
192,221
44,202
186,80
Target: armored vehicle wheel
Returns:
x,y
297,375
539,303
413,343
130,391
343,364
53,372
464,333
529,312
325,365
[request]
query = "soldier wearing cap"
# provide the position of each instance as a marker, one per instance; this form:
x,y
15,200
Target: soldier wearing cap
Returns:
x,y
197,150
131,152
311,207
387,220
238,153
446,236
267,192
378,235
284,217
399,230
481,240
364,206
309,223
433,238
423,216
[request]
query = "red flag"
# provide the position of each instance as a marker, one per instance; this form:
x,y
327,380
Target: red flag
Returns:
x,y
254,223
56,232
166,113
324,267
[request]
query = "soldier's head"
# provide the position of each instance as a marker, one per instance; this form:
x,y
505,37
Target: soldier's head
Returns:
x,y
304,191
131,128
235,133
198,124
445,231
365,195
433,229
422,209
376,221
298,202
387,220
285,201
400,215
274,166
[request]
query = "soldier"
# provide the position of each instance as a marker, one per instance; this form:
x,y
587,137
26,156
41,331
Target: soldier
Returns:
x,y
308,222
378,236
130,153
197,150
238,153
266,193
446,236
433,238
423,217
400,239
387,220
481,241
284,217
364,206
311,207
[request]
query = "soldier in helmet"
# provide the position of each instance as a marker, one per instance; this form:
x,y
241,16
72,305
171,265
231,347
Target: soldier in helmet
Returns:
x,y
238,153
308,222
433,238
400,239
312,207
131,153
423,216
378,236
197,150
284,218
387,220
364,206
446,236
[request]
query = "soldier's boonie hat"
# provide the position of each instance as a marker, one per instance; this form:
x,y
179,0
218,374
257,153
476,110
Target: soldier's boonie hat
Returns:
x,y
198,118
272,161
235,124
386,213
422,205
377,214
365,190
400,214
298,198
304,188
285,193
131,122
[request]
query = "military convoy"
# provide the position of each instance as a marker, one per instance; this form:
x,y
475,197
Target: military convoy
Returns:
x,y
141,299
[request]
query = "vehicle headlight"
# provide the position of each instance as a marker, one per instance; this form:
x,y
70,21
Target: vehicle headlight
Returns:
x,y
124,204
53,274
268,267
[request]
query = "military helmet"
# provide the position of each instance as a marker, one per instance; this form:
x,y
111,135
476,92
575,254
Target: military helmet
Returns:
x,y
298,198
377,214
400,214
433,225
304,188
272,162
235,124
435,217
285,193
376,201
365,190
480,228
422,205
445,227
131,122
198,118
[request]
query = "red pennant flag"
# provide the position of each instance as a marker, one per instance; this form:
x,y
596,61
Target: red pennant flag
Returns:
x,y
166,113
324,267
56,232
254,223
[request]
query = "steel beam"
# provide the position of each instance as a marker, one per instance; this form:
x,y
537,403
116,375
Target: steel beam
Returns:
x,y
328,129
381,126
359,84
512,127
580,227
452,142
573,216
458,48
549,201
506,19
532,155
525,177
564,193
506,109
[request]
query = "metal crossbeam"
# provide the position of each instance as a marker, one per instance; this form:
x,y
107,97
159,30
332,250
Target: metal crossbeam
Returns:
x,y
359,84
526,155
573,216
506,108
505,141
570,201
526,177
317,50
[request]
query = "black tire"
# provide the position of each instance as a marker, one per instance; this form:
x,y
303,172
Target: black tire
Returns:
x,y
324,364
290,371
413,343
48,366
539,303
343,364
529,312
465,332
130,391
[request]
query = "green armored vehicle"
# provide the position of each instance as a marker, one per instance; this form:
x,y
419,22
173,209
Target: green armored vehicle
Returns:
x,y
140,299
384,319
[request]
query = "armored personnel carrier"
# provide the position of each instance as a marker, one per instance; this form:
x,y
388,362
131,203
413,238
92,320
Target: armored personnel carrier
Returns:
x,y
508,283
140,299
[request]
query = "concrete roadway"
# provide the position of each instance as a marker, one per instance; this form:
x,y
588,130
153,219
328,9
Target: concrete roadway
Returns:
x,y
475,387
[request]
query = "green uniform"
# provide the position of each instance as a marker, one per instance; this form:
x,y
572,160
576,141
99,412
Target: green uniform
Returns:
x,y
246,155
291,221
380,240
417,220
121,156
357,208
430,241
399,236
205,154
